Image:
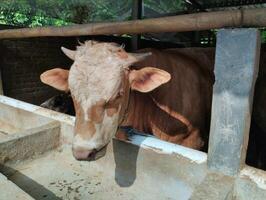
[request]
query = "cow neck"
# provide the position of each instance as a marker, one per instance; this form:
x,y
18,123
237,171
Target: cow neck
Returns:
x,y
174,114
126,99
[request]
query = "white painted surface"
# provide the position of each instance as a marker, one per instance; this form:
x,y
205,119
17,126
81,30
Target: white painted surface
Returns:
x,y
37,110
168,148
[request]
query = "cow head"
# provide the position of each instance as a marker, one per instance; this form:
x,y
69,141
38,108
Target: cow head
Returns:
x,y
99,81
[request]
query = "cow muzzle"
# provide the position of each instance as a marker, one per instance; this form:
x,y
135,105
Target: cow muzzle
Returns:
x,y
81,153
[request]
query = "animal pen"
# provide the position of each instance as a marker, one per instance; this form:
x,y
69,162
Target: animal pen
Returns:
x,y
35,151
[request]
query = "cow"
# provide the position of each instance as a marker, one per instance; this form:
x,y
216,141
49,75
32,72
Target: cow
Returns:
x,y
166,93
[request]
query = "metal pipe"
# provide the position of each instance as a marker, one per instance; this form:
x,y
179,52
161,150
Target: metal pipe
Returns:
x,y
190,22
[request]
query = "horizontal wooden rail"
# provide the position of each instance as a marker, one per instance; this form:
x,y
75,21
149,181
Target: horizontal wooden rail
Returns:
x,y
190,22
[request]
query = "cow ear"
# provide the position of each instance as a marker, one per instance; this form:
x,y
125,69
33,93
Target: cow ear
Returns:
x,y
57,78
147,79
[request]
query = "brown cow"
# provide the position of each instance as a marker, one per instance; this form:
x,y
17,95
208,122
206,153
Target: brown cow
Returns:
x,y
100,80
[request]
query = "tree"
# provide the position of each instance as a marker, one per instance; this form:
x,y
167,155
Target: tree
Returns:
x,y
33,13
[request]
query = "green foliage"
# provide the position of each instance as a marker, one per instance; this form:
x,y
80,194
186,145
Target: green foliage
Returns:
x,y
165,6
32,13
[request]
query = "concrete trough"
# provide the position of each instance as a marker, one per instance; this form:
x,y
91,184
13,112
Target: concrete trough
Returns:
x,y
24,134
37,163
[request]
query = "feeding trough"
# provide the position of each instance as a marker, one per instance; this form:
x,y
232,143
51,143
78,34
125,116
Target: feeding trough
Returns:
x,y
38,162
44,168
24,134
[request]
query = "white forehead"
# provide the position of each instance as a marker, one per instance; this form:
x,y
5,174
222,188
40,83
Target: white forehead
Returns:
x,y
96,72
96,51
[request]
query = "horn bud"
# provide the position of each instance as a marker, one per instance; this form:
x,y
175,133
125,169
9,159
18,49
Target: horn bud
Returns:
x,y
69,53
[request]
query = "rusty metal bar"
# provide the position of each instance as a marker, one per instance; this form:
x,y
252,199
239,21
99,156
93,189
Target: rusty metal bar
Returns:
x,y
181,23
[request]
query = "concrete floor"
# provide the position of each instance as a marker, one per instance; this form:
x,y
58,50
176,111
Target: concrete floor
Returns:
x,y
57,175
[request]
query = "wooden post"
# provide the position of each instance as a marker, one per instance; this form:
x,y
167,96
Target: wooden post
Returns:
x,y
136,14
236,68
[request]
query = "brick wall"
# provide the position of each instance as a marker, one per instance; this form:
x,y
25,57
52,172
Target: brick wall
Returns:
x,y
23,60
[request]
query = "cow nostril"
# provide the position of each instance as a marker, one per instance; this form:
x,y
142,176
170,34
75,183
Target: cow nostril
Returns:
x,y
89,155
92,154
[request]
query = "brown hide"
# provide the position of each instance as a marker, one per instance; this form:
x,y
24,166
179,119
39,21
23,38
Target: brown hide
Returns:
x,y
188,93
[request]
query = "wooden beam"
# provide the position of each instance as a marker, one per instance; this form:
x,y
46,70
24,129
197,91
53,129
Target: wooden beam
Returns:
x,y
190,22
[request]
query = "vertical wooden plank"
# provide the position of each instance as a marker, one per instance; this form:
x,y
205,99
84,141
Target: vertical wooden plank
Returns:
x,y
236,68
136,14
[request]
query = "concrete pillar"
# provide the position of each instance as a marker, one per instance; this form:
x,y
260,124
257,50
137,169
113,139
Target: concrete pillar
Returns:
x,y
236,69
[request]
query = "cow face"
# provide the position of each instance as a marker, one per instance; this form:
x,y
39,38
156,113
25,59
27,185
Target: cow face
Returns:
x,y
99,82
